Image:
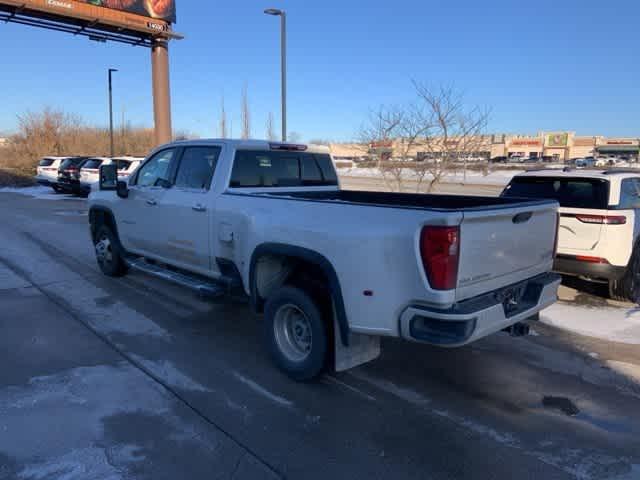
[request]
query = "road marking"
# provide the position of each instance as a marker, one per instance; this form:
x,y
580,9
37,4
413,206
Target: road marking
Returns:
x,y
360,393
263,391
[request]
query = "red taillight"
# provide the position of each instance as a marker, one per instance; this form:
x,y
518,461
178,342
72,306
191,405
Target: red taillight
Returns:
x,y
602,219
587,259
440,252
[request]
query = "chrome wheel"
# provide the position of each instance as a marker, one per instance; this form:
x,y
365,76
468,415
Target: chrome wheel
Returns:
x,y
104,251
293,332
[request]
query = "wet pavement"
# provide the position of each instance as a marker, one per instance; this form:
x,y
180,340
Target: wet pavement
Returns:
x,y
135,378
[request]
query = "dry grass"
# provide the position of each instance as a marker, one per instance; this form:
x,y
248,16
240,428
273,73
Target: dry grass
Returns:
x,y
10,177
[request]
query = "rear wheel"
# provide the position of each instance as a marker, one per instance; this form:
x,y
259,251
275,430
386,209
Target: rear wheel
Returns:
x,y
628,287
57,189
295,333
108,253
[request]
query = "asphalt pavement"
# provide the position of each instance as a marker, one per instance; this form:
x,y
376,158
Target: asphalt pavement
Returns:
x,y
135,378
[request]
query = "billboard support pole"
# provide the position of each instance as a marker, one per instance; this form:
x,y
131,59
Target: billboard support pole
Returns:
x,y
161,91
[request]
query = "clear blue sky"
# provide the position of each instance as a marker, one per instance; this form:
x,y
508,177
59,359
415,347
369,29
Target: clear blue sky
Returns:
x,y
547,65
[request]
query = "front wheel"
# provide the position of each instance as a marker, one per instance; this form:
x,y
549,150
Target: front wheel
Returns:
x,y
108,254
296,333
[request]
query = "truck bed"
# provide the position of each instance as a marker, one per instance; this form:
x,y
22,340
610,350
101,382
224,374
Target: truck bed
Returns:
x,y
409,200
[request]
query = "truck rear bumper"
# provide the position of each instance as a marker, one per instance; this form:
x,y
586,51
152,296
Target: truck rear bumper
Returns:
x,y
470,320
571,266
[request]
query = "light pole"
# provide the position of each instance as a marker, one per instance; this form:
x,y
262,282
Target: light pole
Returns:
x,y
283,60
111,70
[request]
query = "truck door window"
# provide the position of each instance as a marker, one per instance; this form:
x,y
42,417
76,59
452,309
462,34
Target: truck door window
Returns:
x,y
156,168
197,167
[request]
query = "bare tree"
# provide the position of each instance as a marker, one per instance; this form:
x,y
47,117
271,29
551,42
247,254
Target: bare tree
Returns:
x,y
223,120
271,133
54,132
294,137
393,130
422,140
456,133
246,114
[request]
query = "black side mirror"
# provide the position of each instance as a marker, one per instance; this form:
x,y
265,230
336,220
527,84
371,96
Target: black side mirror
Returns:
x,y
122,189
161,182
108,177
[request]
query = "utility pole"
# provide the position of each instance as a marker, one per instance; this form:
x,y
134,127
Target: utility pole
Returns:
x,y
111,70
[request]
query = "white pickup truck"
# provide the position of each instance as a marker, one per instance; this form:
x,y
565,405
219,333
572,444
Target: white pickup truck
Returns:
x,y
332,270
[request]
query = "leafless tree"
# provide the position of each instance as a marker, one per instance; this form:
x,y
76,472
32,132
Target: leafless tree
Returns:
x,y
294,137
223,120
423,139
455,132
246,114
54,132
271,133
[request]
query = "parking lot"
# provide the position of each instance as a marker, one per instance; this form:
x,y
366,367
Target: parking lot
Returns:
x,y
109,379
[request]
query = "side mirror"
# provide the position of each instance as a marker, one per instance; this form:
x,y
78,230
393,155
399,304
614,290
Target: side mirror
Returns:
x,y
108,178
122,189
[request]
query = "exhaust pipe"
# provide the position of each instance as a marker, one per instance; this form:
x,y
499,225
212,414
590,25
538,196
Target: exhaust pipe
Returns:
x,y
518,330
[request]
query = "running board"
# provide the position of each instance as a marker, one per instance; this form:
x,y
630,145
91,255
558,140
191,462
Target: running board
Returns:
x,y
205,288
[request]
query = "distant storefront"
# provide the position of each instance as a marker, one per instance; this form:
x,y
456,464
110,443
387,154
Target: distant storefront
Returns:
x,y
626,149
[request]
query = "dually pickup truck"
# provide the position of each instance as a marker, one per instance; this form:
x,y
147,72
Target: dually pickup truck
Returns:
x,y
332,270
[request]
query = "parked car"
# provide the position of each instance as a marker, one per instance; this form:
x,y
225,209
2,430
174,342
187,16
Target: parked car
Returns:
x,y
127,165
599,213
269,220
47,172
69,174
90,173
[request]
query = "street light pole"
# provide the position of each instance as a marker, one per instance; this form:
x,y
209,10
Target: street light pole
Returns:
x,y
111,70
283,64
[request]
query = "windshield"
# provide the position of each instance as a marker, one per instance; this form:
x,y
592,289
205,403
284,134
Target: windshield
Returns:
x,y
589,193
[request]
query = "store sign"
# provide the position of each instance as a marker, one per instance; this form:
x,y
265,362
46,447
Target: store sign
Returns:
x,y
526,143
161,9
620,142
559,140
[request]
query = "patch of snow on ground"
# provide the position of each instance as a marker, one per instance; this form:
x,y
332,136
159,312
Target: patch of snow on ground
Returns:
x,y
168,373
607,323
498,177
40,192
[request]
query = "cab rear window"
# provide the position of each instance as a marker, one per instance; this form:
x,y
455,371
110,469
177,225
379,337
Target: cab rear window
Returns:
x,y
589,193
259,169
46,162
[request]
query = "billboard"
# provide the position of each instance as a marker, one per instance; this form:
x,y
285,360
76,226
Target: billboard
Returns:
x,y
160,9
559,140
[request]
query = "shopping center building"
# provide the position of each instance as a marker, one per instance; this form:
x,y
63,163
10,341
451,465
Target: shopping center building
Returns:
x,y
545,146
563,146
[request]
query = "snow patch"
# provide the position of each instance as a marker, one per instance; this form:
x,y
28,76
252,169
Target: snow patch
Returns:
x,y
83,464
607,323
263,391
407,394
497,177
40,192
169,374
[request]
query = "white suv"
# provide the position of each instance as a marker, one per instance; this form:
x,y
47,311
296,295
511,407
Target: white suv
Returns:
x,y
598,223
47,172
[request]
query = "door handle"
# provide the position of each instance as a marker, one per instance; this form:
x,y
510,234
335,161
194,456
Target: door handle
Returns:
x,y
198,207
151,203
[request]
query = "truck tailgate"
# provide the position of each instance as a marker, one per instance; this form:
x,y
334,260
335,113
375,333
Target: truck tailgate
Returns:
x,y
504,246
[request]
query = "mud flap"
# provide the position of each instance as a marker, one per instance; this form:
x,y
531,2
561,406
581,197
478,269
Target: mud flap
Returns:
x,y
361,349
